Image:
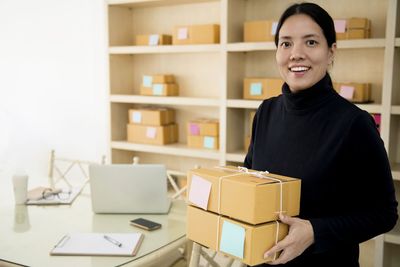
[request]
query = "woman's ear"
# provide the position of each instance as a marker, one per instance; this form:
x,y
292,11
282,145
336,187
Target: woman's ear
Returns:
x,y
332,53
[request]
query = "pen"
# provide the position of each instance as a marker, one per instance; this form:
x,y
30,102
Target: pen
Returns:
x,y
112,240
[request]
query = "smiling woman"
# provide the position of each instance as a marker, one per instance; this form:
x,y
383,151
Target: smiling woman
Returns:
x,y
312,133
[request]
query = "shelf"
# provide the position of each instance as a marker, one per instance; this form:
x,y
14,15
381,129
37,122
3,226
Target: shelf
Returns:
x,y
395,171
371,108
164,49
248,47
342,44
240,103
153,3
166,100
393,236
173,149
236,157
395,110
397,42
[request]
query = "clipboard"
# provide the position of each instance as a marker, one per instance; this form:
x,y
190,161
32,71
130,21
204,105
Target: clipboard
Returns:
x,y
98,244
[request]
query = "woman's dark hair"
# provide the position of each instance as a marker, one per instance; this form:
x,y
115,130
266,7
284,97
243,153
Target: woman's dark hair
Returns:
x,y
315,12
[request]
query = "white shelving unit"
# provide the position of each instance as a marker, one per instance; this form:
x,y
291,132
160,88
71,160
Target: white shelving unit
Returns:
x,y
210,78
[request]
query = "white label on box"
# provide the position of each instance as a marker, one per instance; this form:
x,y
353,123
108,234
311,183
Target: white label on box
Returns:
x,y
147,80
199,191
347,91
151,132
153,39
340,25
137,117
274,27
183,33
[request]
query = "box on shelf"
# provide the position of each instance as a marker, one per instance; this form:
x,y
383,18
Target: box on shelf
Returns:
x,y
224,235
200,141
149,80
160,89
255,192
153,39
352,28
247,140
260,31
261,88
209,127
154,135
354,92
152,116
196,34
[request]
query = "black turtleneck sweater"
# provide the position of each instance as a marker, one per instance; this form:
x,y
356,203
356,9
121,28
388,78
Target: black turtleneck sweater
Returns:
x,y
347,190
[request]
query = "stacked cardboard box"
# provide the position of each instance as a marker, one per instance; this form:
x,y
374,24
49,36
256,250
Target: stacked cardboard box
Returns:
x,y
159,85
244,227
153,39
203,133
152,126
354,92
247,138
261,88
260,31
353,28
196,34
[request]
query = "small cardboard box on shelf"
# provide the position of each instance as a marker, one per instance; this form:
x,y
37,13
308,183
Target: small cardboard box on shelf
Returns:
x,y
153,39
261,88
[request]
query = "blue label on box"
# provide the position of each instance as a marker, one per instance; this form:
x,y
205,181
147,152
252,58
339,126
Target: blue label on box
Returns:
x,y
158,89
208,142
147,81
232,239
255,89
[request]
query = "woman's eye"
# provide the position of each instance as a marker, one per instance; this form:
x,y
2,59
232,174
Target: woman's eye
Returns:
x,y
285,44
312,43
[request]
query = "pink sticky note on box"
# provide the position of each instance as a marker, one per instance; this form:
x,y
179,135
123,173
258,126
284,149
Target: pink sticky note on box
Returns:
x,y
199,191
194,129
347,91
183,33
340,25
151,132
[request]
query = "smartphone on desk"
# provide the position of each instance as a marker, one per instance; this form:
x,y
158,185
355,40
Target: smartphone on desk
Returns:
x,y
145,224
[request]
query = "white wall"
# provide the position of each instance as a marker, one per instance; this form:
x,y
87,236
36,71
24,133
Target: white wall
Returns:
x,y
52,82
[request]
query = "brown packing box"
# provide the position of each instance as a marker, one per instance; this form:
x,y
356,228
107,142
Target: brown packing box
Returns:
x,y
258,31
197,34
154,135
362,91
353,34
145,39
263,88
160,89
358,23
259,200
209,127
247,140
202,227
209,142
152,116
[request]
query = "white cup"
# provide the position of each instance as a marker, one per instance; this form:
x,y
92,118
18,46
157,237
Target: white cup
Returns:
x,y
20,184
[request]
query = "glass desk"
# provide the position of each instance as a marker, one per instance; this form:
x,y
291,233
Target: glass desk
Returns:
x,y
28,233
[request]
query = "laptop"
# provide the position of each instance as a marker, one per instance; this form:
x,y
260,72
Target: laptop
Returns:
x,y
128,188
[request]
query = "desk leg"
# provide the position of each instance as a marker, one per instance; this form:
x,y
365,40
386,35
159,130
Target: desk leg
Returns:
x,y
195,257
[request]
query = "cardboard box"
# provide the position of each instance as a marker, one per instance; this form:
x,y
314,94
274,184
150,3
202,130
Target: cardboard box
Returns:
x,y
261,88
154,135
247,140
208,142
209,127
260,31
259,200
152,116
354,92
149,80
203,228
354,34
352,28
196,34
160,89
153,39
358,23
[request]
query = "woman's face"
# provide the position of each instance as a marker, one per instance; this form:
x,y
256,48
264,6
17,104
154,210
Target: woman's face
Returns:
x,y
303,55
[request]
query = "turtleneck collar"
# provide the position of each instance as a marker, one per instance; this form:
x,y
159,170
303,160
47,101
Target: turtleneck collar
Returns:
x,y
307,99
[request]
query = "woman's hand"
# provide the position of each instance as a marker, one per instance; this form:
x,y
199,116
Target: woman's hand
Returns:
x,y
300,237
